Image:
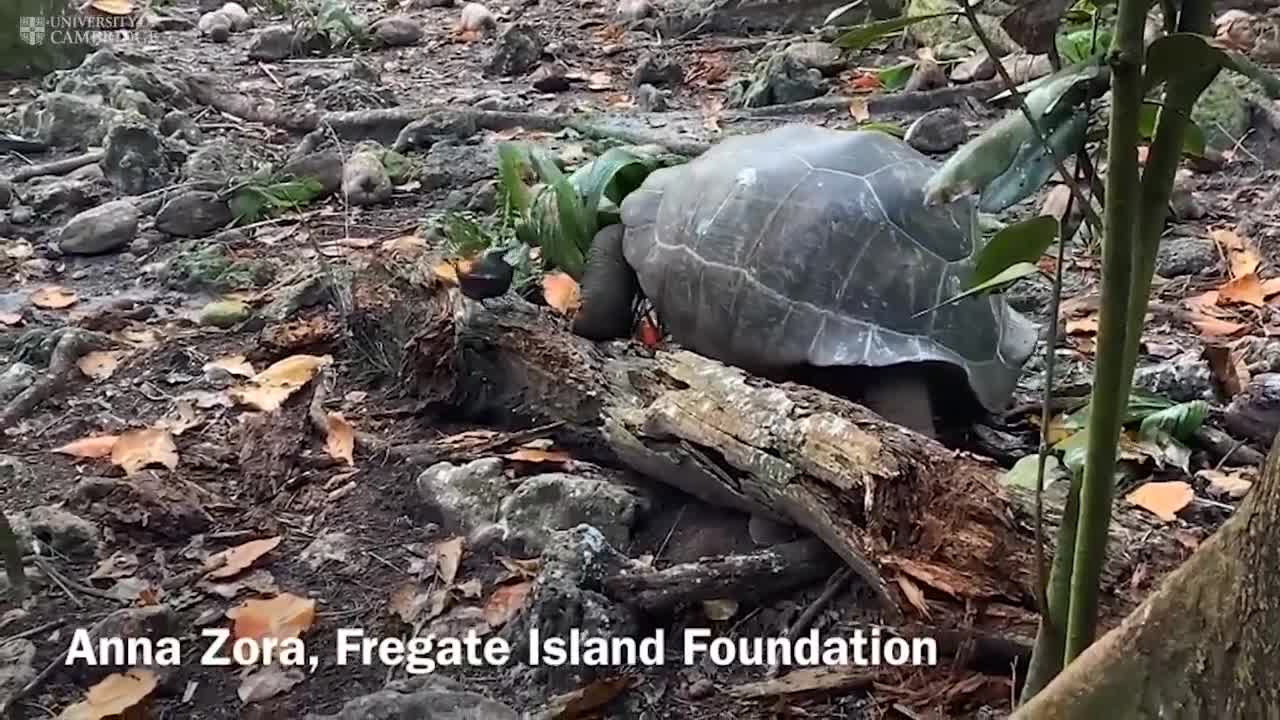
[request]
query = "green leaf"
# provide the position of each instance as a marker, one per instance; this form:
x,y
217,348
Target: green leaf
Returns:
x,y
1033,164
895,77
512,159
1021,243
1078,46
613,175
1179,422
1193,145
861,36
1010,275
1177,56
1023,473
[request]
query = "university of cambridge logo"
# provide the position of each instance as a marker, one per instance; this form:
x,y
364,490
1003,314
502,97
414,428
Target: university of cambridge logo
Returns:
x,y
31,29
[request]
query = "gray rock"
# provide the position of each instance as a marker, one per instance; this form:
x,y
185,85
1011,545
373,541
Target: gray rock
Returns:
x,y
89,173
1255,413
365,180
216,26
219,161
657,69
324,166
457,199
48,196
464,497
432,127
108,227
551,78
6,193
629,11
650,99
425,697
179,123
559,501
135,159
1180,256
58,529
272,43
1182,378
938,131
783,80
927,75
16,378
241,20
977,67
518,51
1260,354
65,120
485,199
204,6
1186,203
397,30
21,215
823,57
477,18
195,213
17,664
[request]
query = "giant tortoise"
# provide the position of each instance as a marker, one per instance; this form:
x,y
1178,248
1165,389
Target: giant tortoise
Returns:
x,y
802,250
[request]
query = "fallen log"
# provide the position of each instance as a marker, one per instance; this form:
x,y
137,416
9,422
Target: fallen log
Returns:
x,y
889,502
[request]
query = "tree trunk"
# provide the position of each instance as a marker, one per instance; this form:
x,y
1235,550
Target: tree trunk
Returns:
x,y
1201,646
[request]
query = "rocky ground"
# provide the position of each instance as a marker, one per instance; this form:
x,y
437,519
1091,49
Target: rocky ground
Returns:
x,y
194,420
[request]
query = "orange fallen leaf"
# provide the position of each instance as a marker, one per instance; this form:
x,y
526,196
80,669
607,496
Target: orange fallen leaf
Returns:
x,y
866,82
99,364
1163,499
238,558
1271,287
97,446
1245,289
340,442
1216,327
538,455
113,696
446,271
859,109
648,334
1225,484
1241,259
268,390
54,297
233,364
284,616
914,594
561,292
505,602
138,449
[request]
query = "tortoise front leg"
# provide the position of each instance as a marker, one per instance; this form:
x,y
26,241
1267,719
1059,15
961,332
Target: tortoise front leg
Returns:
x,y
609,289
900,394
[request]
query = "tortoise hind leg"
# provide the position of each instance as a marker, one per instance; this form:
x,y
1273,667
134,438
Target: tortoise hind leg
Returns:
x,y
609,289
900,394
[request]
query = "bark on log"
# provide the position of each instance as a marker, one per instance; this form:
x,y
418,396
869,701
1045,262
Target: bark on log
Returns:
x,y
1203,645
886,500
779,568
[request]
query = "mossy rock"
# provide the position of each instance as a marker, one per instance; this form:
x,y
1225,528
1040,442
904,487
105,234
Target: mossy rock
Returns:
x,y
225,313
935,32
1221,110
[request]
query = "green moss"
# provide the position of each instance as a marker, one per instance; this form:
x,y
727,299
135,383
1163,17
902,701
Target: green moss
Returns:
x,y
210,266
1221,111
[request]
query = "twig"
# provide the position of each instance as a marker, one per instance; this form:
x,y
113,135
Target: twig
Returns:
x,y
32,632
1095,223
880,104
72,345
834,585
271,75
61,579
57,167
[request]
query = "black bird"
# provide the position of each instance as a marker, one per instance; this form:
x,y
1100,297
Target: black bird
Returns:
x,y
486,277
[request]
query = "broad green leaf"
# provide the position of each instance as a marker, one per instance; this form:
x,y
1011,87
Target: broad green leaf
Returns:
x,y
1010,275
1033,164
1179,422
1141,404
1021,243
896,77
1078,46
861,36
1193,144
613,175
1176,56
1023,473
570,241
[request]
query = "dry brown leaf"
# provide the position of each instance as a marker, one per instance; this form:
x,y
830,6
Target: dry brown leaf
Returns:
x,y
523,569
1056,201
1224,484
1163,499
10,319
54,297
97,446
269,682
831,679
111,697
585,700
340,442
561,292
1228,368
1202,302
1083,326
538,455
240,557
405,246
140,337
1245,289
138,449
283,616
1241,259
446,271
234,364
505,602
448,557
1271,287
1216,327
914,594
859,109
99,364
268,390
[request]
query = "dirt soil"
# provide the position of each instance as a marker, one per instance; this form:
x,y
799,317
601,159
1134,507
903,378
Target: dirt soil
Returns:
x,y
239,475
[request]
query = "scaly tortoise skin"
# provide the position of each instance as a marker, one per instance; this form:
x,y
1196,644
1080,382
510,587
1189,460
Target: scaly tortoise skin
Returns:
x,y
805,246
